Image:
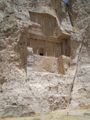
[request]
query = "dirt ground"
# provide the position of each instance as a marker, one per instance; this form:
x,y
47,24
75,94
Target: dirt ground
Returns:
x,y
57,115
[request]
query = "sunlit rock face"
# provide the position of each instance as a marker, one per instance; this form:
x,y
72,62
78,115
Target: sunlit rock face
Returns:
x,y
29,82
81,91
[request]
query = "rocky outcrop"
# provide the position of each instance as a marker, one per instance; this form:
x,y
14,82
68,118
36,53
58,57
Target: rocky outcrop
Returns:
x,y
24,91
40,92
81,88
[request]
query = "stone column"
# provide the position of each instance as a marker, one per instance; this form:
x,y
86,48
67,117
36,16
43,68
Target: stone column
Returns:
x,y
30,59
61,69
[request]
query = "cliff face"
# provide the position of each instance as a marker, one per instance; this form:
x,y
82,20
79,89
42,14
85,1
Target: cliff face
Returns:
x,y
23,91
81,90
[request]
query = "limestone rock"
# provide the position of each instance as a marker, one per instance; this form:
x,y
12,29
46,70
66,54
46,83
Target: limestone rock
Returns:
x,y
24,90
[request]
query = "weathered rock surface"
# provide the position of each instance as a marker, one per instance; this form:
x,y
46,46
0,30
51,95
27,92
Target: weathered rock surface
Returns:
x,y
25,91
81,90
40,92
